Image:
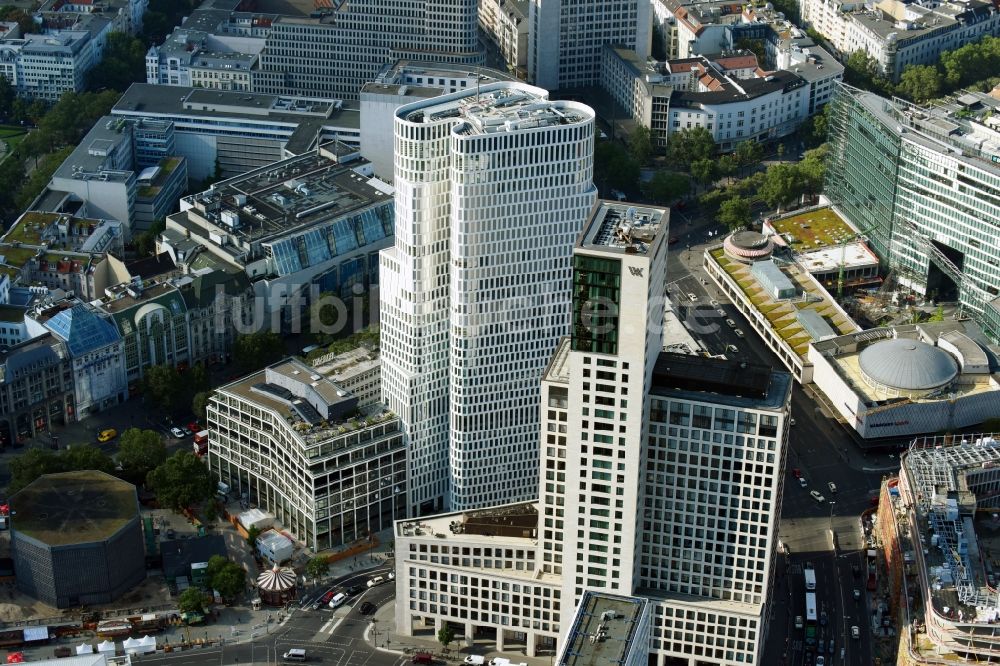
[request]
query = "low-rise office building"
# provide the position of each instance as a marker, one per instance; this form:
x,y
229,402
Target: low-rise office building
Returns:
x,y
227,133
46,66
317,219
103,173
124,15
295,443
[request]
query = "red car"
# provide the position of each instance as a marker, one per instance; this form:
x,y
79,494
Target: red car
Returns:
x,y
194,427
796,472
326,597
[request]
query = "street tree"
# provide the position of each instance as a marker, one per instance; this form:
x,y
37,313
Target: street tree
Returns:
x,y
640,144
782,185
446,635
666,186
748,154
199,404
123,63
162,385
230,581
690,145
705,172
317,567
252,535
735,213
920,83
30,465
726,166
139,453
257,350
85,456
191,600
181,481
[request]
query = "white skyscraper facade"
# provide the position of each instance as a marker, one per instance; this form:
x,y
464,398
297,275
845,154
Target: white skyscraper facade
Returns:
x,y
492,186
660,478
566,38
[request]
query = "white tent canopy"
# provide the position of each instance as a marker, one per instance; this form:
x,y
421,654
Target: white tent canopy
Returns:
x,y
140,645
106,646
84,648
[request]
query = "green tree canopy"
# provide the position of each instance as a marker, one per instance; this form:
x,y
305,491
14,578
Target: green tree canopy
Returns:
x,y
257,350
640,144
782,185
920,83
690,145
226,576
317,567
704,172
614,167
666,186
33,463
123,63
139,453
748,154
163,385
181,481
191,600
446,635
199,405
735,213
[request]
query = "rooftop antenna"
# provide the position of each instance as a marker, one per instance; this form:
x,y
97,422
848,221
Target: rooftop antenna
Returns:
x,y
478,78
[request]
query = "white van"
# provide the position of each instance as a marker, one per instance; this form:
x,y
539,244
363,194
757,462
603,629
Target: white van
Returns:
x,y
294,654
338,600
311,348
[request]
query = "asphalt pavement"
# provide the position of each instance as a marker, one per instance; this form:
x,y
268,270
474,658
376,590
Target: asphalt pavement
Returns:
x,y
819,448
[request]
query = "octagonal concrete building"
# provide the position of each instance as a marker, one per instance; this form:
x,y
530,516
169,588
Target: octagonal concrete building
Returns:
x,y
76,538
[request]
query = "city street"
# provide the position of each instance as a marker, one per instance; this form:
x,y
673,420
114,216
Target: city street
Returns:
x,y
820,449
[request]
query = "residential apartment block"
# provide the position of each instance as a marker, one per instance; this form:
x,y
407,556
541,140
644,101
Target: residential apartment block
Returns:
x,y
295,443
492,185
567,38
924,186
660,478
899,34
505,23
123,15
728,95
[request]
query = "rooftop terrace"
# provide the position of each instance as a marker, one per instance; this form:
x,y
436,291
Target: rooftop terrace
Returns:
x,y
813,230
315,407
780,314
497,107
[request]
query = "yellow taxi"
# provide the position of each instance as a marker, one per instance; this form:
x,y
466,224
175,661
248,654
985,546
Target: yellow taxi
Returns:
x,y
107,435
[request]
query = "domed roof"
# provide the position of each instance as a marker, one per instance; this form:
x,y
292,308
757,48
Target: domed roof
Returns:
x,y
907,364
277,579
749,240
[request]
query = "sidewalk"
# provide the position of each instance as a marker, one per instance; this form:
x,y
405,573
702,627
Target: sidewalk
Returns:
x,y
381,633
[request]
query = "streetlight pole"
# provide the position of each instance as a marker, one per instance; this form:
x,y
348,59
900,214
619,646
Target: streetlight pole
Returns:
x,y
831,516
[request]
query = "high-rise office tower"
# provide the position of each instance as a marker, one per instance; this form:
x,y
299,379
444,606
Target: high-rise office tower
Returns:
x,y
492,186
923,184
333,51
660,478
566,38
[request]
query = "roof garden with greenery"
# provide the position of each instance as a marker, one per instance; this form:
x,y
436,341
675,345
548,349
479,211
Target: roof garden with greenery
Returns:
x,y
814,230
781,313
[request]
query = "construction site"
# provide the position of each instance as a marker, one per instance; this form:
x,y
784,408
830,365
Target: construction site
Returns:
x,y
938,524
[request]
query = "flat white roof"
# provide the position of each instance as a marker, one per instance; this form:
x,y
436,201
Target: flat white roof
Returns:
x,y
854,255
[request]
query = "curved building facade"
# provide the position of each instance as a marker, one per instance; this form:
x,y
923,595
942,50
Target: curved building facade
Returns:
x,y
492,187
